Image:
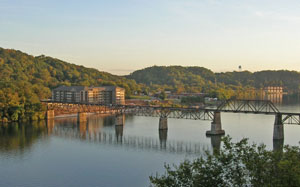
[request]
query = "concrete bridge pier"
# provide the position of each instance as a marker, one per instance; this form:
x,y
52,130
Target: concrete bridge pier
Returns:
x,y
163,123
50,114
278,133
216,143
278,145
216,126
81,117
120,120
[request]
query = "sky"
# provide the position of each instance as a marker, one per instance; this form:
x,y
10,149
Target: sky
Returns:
x,y
120,36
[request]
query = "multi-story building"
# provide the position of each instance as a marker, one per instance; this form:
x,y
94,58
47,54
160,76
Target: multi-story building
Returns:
x,y
82,94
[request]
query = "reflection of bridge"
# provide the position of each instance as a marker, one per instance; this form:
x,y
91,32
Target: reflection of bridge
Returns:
x,y
213,114
80,131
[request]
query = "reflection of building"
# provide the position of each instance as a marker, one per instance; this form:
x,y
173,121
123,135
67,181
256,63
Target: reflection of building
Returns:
x,y
273,90
102,95
273,93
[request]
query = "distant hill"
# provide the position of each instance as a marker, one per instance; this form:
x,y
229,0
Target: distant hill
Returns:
x,y
175,77
199,78
25,79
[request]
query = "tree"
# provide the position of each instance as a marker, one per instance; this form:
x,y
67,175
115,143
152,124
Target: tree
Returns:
x,y
162,95
236,164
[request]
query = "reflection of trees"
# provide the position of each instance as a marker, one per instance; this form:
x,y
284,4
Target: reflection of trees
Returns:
x,y
18,137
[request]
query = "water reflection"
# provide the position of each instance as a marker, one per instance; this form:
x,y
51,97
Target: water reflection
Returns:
x,y
93,132
102,130
163,135
16,137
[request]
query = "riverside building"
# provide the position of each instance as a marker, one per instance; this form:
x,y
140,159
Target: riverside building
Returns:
x,y
82,94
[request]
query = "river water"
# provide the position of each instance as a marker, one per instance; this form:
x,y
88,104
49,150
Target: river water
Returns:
x,y
98,153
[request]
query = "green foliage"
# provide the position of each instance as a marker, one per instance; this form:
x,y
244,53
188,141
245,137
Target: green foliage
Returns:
x,y
162,95
236,164
175,78
25,79
222,85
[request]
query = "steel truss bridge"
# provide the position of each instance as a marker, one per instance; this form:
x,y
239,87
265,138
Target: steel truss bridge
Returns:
x,y
233,106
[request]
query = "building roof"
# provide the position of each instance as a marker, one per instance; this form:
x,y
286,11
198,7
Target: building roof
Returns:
x,y
80,88
109,87
70,88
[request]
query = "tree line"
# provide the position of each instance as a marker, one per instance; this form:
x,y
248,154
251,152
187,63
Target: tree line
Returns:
x,y
224,85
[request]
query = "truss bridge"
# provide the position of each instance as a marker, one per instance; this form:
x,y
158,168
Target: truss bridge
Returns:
x,y
163,113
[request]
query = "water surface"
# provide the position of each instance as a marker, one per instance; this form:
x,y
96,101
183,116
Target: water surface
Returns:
x,y
99,153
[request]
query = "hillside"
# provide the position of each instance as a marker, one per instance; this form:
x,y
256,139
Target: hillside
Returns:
x,y
25,79
178,78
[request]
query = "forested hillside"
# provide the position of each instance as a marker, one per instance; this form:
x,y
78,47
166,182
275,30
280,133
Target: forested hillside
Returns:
x,y
178,78
25,79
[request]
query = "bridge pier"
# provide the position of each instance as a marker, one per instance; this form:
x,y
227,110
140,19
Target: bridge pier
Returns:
x,y
120,120
163,123
216,143
278,145
81,117
216,126
50,114
278,133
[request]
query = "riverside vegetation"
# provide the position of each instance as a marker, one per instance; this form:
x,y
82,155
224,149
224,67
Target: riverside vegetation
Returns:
x,y
236,164
25,80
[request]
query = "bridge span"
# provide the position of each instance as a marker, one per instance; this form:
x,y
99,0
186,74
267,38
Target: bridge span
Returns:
x,y
212,114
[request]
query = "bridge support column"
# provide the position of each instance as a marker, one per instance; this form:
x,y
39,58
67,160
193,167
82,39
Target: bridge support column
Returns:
x,y
216,143
120,120
50,114
81,117
278,145
163,123
216,127
278,133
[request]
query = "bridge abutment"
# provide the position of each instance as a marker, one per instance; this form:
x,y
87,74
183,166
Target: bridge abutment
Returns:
x,y
216,126
278,133
50,114
81,117
163,123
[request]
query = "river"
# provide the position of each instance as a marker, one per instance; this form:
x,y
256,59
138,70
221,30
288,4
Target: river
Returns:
x,y
98,153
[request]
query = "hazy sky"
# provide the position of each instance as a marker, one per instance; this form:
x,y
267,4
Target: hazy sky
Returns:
x,y
120,36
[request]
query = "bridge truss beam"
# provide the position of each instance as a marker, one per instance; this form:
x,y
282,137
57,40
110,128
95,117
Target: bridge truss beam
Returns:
x,y
248,106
